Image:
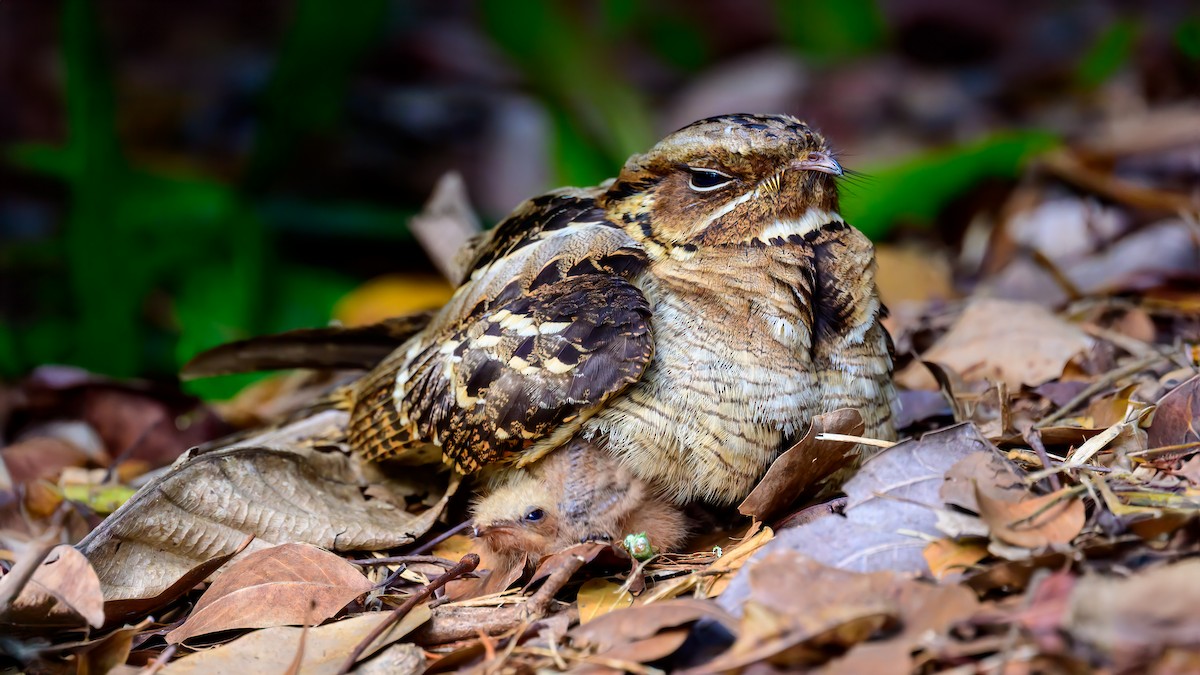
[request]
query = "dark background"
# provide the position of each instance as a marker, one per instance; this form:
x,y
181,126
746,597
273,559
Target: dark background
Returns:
x,y
176,175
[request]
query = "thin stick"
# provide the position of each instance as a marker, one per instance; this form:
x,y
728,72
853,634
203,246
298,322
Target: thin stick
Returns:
x,y
1034,438
1107,380
468,564
23,570
845,438
405,560
428,546
159,661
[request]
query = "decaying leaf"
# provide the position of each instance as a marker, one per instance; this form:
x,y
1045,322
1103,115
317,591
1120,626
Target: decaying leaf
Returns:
x,y
1037,522
800,612
206,506
893,501
289,584
1018,343
326,648
1177,419
947,556
802,468
1130,618
62,592
598,597
638,623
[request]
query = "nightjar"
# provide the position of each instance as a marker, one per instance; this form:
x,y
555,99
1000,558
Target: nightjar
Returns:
x,y
688,317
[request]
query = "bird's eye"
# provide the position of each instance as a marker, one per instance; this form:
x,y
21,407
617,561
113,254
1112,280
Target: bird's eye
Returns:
x,y
705,180
534,515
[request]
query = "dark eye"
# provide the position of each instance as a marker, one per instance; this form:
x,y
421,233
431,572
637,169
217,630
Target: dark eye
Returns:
x,y
534,515
703,180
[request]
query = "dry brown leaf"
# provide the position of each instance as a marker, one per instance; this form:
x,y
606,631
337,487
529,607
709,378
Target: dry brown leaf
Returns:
x,y
118,611
947,556
638,623
62,592
326,647
285,585
1052,519
40,458
1018,343
598,597
1129,618
1177,419
801,470
802,608
908,274
206,506
892,501
989,472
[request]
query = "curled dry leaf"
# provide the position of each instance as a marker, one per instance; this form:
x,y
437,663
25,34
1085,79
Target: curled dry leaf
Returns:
x,y
206,506
947,556
1053,519
62,592
1018,343
800,470
284,585
634,624
892,501
325,647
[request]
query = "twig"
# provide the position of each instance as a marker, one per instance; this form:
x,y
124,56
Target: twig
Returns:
x,y
428,546
405,560
1034,438
468,564
159,661
1108,379
846,438
540,601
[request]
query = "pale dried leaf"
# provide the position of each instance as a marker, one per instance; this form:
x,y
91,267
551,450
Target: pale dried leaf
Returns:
x,y
325,647
1018,343
207,505
62,592
290,584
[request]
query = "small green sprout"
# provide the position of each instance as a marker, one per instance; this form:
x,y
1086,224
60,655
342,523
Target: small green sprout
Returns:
x,y
639,546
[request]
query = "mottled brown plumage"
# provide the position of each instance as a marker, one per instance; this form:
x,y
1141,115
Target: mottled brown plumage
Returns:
x,y
688,317
577,493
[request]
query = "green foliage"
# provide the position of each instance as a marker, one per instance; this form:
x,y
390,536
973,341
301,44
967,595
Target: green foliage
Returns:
x,y
826,31
916,189
1110,52
1187,37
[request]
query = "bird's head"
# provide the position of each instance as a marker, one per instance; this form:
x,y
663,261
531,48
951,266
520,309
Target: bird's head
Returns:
x,y
518,517
727,180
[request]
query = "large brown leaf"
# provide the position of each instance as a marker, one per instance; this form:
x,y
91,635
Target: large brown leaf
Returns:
x,y
290,584
206,505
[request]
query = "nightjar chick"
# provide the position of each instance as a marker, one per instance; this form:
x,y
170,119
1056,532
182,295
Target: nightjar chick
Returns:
x,y
688,318
576,493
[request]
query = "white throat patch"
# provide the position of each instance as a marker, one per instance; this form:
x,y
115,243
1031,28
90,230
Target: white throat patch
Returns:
x,y
812,220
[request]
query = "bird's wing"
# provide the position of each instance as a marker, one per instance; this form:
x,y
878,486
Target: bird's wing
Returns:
x,y
536,340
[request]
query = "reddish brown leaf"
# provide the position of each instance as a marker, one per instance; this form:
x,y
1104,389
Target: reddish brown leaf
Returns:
x,y
63,592
1177,419
1033,523
801,470
279,586
41,458
641,622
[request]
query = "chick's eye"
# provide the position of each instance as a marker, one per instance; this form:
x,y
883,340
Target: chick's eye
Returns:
x,y
534,515
704,180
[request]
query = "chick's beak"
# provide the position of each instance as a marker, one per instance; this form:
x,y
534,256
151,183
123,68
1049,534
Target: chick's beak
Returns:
x,y
819,161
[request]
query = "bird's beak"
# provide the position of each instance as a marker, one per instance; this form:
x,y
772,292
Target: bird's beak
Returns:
x,y
819,161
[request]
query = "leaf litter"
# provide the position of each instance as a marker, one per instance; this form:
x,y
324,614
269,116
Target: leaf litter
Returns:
x,y
1040,509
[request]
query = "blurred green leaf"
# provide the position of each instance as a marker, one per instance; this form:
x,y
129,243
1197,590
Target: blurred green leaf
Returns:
x,y
349,219
307,91
48,160
1187,37
832,30
1111,51
915,190
562,54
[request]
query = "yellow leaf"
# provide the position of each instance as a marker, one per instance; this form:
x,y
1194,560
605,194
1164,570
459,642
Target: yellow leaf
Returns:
x,y
946,556
391,295
598,597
